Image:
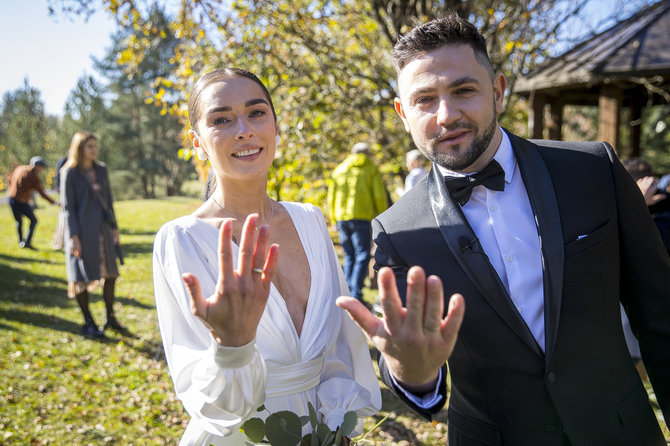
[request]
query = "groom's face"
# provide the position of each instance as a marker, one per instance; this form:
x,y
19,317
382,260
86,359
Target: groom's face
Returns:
x,y
448,102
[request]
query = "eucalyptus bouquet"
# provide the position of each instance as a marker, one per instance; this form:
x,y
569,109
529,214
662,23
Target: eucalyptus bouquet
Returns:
x,y
284,428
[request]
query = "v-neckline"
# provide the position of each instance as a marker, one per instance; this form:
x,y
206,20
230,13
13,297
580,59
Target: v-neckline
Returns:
x,y
279,297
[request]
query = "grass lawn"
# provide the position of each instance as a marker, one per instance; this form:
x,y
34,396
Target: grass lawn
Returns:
x,y
59,388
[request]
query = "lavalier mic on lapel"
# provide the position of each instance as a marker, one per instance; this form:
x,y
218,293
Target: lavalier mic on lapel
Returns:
x,y
466,245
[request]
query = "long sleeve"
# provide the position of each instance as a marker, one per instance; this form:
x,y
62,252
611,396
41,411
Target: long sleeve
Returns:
x,y
348,380
385,255
107,191
220,387
645,294
68,192
40,189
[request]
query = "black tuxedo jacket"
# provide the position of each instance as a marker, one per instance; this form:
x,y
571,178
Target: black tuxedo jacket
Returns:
x,y
599,248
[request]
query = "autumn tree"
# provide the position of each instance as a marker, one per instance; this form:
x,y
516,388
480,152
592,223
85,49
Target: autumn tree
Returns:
x,y
327,65
144,137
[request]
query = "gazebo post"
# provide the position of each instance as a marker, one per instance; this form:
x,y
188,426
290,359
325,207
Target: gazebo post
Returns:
x,y
609,104
536,116
556,123
636,127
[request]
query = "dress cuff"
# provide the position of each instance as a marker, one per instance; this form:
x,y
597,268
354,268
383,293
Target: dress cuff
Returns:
x,y
428,400
233,357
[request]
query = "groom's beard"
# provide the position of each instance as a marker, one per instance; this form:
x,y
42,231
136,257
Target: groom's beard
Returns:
x,y
456,160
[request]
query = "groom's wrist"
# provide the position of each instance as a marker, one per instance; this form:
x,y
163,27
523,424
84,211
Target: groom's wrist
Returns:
x,y
419,387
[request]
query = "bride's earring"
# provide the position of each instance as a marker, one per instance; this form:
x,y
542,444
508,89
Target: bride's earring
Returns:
x,y
277,139
202,156
199,151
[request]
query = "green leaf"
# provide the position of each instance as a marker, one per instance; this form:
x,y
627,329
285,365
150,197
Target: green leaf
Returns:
x,y
330,437
322,431
261,408
254,429
304,420
312,415
349,423
283,428
338,438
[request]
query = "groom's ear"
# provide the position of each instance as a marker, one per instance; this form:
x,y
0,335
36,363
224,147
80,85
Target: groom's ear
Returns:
x,y
401,112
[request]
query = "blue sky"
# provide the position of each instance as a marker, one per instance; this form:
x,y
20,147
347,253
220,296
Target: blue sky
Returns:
x,y
52,52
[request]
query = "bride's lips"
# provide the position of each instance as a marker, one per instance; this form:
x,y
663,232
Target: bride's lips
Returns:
x,y
248,152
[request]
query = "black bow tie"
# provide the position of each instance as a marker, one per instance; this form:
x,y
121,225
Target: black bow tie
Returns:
x,y
492,177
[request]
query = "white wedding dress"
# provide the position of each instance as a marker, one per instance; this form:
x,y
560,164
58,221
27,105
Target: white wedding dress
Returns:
x,y
221,387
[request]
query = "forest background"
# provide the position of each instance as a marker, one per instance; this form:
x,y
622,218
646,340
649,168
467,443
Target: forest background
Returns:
x,y
326,63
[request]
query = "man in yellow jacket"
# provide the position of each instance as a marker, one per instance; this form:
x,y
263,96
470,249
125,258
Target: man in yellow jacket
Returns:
x,y
356,195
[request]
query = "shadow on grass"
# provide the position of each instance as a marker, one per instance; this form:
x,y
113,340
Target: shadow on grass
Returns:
x,y
5,327
130,302
137,248
24,259
23,287
47,321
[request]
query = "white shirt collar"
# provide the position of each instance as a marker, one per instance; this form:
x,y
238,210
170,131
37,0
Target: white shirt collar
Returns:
x,y
503,155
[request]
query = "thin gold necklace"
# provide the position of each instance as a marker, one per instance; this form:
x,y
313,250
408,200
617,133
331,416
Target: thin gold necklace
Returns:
x,y
272,212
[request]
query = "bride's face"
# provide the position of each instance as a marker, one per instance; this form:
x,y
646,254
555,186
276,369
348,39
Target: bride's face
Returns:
x,y
237,128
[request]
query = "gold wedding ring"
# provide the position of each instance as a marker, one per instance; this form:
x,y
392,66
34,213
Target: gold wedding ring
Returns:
x,y
258,270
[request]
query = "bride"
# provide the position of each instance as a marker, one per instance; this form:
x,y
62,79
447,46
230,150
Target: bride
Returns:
x,y
246,286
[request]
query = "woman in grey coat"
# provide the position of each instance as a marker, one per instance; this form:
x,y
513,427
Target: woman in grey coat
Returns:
x,y
90,231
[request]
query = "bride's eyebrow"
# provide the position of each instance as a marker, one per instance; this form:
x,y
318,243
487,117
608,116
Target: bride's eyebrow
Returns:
x,y
256,101
249,103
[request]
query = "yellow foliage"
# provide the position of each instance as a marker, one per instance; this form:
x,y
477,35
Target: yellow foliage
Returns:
x,y
509,46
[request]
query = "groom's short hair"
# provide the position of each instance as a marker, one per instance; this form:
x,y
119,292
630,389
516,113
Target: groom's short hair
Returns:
x,y
450,30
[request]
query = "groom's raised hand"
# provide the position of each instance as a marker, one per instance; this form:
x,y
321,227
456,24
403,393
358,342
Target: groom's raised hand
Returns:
x,y
415,341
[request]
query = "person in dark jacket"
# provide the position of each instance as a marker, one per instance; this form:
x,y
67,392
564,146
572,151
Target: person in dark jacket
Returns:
x,y
90,230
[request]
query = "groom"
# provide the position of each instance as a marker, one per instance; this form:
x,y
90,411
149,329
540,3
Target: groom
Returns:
x,y
542,240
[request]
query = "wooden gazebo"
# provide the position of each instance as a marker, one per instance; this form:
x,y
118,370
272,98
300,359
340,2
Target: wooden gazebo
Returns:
x,y
627,65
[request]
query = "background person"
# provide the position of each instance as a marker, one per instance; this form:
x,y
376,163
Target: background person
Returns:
x,y
244,322
23,181
655,195
414,161
356,194
90,231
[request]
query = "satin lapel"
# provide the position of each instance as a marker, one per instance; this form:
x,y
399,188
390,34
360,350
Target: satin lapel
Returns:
x,y
543,201
467,250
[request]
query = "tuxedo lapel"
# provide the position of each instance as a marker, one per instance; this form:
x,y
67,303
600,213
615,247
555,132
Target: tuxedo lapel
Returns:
x,y
543,201
470,255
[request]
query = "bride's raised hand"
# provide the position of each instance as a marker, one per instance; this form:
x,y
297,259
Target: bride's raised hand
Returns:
x,y
233,312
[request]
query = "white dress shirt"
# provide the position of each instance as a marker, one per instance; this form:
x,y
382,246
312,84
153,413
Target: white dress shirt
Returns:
x,y
505,226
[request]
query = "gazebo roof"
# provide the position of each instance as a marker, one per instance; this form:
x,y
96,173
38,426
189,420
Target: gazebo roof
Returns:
x,y
636,47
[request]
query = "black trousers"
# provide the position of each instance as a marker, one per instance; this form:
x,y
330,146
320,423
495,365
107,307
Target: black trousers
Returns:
x,y
20,210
